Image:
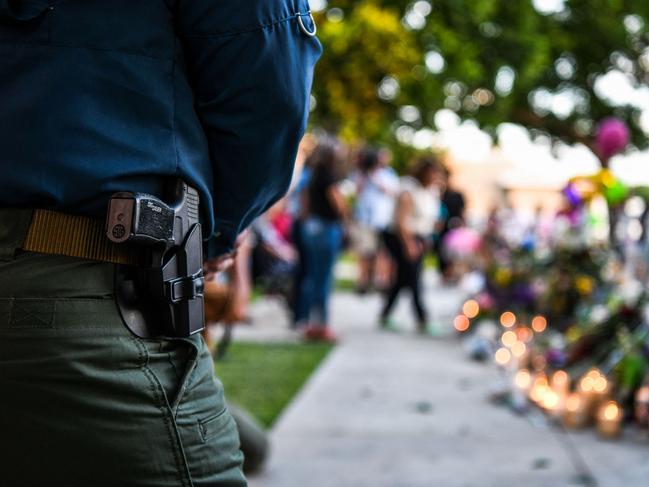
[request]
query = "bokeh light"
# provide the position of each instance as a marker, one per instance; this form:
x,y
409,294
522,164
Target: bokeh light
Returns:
x,y
461,323
508,319
509,338
471,308
503,356
519,349
523,379
539,324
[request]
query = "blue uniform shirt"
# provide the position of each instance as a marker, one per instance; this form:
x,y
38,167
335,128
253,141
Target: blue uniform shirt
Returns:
x,y
100,96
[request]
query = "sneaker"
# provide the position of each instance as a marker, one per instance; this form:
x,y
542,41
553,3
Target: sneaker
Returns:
x,y
310,332
431,329
328,335
319,333
388,324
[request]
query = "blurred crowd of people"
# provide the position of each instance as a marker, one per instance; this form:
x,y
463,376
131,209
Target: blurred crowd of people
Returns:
x,y
345,200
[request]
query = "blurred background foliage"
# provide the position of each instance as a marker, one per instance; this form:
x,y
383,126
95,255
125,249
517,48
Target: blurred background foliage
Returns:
x,y
390,64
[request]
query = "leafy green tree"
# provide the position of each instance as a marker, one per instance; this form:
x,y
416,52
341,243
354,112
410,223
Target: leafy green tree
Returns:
x,y
365,44
392,63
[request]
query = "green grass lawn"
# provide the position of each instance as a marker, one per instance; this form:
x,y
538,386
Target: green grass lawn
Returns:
x,y
263,377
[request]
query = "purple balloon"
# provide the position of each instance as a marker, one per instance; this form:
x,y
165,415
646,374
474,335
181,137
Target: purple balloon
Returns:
x,y
556,358
612,137
571,194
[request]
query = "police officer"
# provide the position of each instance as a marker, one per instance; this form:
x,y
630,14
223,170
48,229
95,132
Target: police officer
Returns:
x,y
103,96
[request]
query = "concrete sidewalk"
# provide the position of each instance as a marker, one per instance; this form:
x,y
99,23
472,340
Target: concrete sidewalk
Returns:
x,y
398,410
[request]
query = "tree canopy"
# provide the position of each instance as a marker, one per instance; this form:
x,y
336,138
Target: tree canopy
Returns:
x,y
396,63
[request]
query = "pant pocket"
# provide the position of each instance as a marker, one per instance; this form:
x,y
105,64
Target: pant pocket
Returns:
x,y
212,426
203,423
172,364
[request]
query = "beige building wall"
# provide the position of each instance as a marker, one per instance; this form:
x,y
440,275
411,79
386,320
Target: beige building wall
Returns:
x,y
489,183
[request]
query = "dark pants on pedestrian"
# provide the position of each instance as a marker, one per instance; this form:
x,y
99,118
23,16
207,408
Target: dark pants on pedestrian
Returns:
x,y
408,276
87,403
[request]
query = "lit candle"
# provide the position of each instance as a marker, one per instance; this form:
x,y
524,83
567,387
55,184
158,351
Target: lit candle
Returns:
x,y
524,334
508,319
561,382
609,420
503,357
462,323
519,349
523,380
561,388
539,388
576,414
508,339
551,402
520,391
600,388
539,324
594,389
471,308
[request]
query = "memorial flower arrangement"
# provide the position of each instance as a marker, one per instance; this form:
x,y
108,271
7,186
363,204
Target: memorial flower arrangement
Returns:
x,y
568,324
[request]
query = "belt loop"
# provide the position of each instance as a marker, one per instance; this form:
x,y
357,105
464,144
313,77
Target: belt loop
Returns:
x,y
14,225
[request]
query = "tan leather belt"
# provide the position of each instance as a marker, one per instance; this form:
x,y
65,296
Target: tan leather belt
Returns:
x,y
51,232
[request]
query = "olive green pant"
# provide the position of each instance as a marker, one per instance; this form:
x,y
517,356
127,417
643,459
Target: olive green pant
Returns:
x,y
86,403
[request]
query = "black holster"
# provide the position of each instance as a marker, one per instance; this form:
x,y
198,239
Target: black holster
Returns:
x,y
165,297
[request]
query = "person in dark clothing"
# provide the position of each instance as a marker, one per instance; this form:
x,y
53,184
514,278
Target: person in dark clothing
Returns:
x,y
318,236
414,221
453,206
100,97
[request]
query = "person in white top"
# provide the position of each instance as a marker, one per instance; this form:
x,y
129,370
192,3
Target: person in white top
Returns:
x,y
417,211
377,187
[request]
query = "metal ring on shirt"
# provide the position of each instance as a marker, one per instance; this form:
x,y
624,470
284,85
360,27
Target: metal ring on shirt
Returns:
x,y
299,16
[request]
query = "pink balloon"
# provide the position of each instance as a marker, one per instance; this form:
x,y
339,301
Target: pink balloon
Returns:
x,y
486,301
462,241
612,137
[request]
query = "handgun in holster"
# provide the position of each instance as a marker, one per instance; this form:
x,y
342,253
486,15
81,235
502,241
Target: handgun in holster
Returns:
x,y
164,296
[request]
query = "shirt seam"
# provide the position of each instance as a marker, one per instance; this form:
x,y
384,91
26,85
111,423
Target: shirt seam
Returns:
x,y
245,30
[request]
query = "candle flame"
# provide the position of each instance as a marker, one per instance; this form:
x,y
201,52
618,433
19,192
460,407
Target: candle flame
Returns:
x,y
550,399
573,403
539,388
508,319
523,379
594,374
461,323
600,385
539,324
519,349
560,378
503,356
611,411
509,338
536,394
471,308
586,384
524,334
